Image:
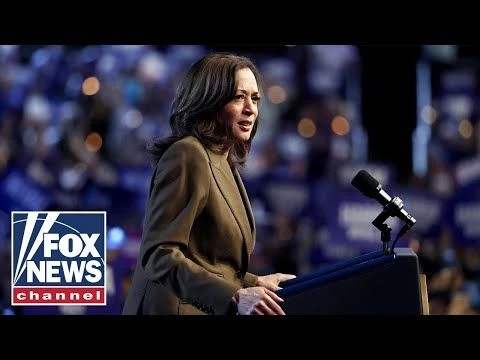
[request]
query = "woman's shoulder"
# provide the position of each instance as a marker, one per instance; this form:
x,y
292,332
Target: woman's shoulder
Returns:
x,y
189,143
189,147
186,154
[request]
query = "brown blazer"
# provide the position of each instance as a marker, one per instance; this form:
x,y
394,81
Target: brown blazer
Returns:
x,y
198,235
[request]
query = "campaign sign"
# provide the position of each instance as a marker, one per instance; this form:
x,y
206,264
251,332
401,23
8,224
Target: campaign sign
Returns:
x,y
463,215
58,258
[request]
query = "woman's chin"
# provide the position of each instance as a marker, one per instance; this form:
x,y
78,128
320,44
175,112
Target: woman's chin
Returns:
x,y
243,136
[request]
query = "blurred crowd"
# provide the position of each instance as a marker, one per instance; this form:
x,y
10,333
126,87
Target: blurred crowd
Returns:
x,y
75,121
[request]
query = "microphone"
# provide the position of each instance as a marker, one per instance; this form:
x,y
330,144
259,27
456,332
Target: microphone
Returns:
x,y
371,188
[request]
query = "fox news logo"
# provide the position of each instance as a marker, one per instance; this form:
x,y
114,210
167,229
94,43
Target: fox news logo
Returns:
x,y
58,258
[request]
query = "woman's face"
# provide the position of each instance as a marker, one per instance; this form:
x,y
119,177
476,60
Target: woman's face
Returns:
x,y
241,112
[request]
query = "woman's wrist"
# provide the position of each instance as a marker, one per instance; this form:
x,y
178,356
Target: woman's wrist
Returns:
x,y
234,304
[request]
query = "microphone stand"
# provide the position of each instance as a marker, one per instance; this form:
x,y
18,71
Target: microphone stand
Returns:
x,y
390,209
385,230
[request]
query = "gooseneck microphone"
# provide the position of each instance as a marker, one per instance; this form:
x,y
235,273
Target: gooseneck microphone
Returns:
x,y
371,188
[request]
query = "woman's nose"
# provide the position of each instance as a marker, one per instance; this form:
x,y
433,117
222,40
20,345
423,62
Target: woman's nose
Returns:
x,y
248,106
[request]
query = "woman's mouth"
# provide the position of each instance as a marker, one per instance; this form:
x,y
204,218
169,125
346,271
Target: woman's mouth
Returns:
x,y
245,125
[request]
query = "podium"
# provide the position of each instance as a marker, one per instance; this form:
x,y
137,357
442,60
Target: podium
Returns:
x,y
376,283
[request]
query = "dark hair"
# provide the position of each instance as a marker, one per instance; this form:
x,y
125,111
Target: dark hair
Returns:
x,y
208,85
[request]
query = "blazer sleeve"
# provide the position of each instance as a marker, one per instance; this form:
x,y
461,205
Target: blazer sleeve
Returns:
x,y
179,193
250,280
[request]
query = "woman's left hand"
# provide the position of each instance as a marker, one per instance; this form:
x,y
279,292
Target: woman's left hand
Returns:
x,y
271,281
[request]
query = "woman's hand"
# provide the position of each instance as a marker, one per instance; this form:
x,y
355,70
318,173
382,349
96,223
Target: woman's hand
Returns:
x,y
271,281
258,301
261,299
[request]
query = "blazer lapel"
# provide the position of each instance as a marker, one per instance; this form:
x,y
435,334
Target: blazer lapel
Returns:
x,y
246,201
234,196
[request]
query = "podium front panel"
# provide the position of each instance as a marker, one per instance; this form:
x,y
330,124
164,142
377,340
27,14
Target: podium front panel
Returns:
x,y
380,285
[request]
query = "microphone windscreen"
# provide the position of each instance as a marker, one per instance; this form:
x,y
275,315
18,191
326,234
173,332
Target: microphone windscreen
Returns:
x,y
366,183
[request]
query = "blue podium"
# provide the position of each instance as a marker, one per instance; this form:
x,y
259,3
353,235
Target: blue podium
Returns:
x,y
376,283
